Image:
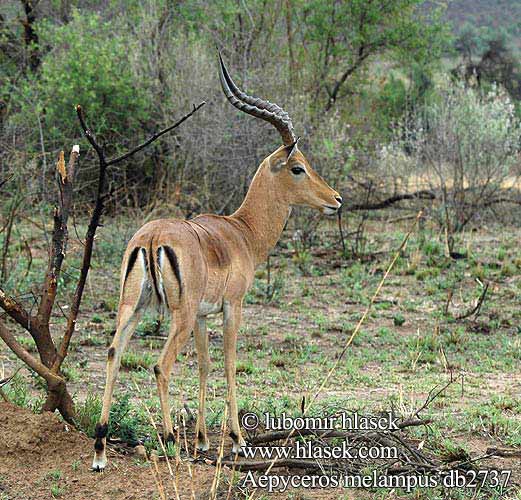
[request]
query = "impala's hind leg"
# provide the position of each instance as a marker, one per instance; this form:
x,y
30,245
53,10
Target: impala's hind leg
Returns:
x,y
203,360
180,328
135,297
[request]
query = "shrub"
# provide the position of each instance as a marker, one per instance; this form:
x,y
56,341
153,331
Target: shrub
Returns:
x,y
463,146
124,422
99,78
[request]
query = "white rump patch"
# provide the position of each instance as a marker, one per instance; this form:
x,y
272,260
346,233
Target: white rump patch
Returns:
x,y
161,283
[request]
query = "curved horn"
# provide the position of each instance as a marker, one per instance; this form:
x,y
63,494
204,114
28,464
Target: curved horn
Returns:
x,y
257,107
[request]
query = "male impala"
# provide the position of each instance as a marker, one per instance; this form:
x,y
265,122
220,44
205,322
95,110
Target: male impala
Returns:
x,y
205,265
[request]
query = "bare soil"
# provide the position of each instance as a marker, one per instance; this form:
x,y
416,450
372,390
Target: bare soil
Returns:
x,y
35,449
39,451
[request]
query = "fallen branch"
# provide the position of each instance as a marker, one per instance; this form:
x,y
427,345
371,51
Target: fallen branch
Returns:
x,y
290,463
503,452
414,422
270,437
475,310
380,205
433,394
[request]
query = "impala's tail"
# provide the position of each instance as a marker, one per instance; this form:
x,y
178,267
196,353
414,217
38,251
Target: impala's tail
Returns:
x,y
160,272
135,285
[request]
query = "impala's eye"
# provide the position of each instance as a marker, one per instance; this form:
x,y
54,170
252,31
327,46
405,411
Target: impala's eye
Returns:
x,y
297,170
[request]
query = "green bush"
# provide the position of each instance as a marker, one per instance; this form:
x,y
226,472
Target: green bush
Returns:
x,y
125,421
89,64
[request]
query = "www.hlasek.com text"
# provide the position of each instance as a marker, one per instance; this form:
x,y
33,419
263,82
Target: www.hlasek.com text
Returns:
x,y
317,451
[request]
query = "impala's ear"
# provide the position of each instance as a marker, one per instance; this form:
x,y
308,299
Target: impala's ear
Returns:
x,y
280,160
292,148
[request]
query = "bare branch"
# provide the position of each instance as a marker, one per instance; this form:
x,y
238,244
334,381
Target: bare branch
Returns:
x,y
59,235
156,136
15,310
418,195
88,133
95,222
27,358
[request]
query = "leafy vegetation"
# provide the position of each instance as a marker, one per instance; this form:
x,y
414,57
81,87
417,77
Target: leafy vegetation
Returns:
x,y
396,106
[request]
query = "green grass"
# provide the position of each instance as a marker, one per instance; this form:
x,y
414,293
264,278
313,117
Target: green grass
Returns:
x,y
294,329
136,361
57,491
54,475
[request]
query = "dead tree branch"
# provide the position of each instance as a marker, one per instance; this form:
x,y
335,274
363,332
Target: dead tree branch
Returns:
x,y
28,358
95,220
380,205
59,234
155,136
51,358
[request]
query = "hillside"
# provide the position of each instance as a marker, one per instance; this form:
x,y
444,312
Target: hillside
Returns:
x,y
499,14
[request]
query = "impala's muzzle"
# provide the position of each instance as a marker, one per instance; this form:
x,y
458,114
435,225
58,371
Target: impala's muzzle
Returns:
x,y
330,209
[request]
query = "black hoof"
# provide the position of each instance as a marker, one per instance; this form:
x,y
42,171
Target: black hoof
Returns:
x,y
169,438
239,452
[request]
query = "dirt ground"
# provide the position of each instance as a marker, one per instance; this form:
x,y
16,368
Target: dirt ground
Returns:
x,y
42,457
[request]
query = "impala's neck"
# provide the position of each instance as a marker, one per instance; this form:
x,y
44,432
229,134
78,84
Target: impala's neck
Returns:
x,y
264,211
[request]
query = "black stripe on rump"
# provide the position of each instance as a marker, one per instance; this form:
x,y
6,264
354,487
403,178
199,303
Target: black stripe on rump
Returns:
x,y
131,262
153,273
174,263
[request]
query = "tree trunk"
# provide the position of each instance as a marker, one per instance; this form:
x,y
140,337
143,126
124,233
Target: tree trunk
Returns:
x,y
45,345
30,35
58,398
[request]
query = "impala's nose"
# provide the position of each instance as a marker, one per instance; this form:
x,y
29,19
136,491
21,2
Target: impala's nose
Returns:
x,y
339,199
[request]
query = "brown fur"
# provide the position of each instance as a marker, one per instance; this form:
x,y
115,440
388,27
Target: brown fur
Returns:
x,y
208,268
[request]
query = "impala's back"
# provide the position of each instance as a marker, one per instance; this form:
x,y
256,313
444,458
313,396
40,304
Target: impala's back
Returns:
x,y
195,264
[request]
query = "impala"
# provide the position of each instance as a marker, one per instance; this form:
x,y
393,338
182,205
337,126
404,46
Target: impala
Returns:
x,y
193,268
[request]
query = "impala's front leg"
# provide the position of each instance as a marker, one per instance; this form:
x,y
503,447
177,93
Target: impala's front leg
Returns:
x,y
232,320
203,360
